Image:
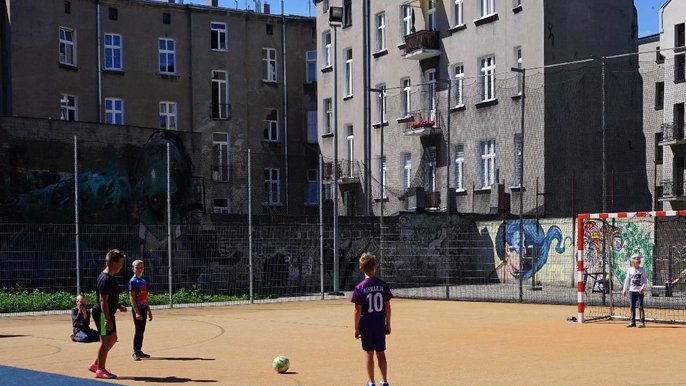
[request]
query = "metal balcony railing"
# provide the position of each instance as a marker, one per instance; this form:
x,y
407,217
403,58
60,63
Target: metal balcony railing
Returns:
x,y
672,132
422,44
346,170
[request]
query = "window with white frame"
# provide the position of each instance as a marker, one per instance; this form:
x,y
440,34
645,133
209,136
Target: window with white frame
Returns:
x,y
220,156
68,107
67,46
459,167
113,51
349,152
271,125
218,33
487,78
325,6
312,126
348,56
312,187
518,159
382,178
430,183
458,13
311,66
168,115
406,97
487,163
431,15
167,54
220,95
220,206
326,52
380,31
430,94
328,116
405,19
381,103
406,177
114,111
271,186
485,8
458,85
269,65
517,59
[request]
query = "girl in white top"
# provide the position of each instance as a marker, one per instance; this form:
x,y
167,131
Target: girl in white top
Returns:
x,y
635,282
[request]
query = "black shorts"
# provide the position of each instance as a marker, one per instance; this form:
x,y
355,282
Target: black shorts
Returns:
x,y
99,318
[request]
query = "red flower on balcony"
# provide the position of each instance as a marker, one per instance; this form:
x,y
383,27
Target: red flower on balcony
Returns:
x,y
425,123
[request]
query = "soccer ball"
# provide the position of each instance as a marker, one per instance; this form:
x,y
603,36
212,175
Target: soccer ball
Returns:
x,y
280,364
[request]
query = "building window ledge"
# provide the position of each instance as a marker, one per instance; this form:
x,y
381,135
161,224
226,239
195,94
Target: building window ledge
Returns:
x,y
457,28
327,69
486,103
486,19
380,53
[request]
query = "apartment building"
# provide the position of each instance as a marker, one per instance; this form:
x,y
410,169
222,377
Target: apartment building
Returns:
x,y
672,41
240,79
451,116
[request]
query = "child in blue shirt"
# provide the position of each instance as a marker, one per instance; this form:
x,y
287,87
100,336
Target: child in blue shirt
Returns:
x,y
138,294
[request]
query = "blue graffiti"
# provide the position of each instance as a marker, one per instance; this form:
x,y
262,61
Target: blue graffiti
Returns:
x,y
536,244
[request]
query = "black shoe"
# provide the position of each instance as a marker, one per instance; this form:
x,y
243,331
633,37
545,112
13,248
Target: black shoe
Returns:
x,y
143,355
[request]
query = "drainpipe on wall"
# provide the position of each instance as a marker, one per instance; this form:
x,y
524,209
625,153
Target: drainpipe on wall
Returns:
x,y
285,102
97,29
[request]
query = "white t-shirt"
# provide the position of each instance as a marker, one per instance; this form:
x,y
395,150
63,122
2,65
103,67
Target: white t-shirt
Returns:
x,y
636,279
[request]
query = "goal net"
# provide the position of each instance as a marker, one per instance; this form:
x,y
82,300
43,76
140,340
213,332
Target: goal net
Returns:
x,y
605,244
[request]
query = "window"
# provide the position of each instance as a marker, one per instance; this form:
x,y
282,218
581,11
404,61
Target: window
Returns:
x,y
271,125
220,156
348,55
312,126
516,3
326,53
381,103
487,78
406,97
380,31
269,29
406,177
485,7
114,111
328,116
67,7
113,13
167,53
487,164
657,148
113,50
517,63
312,187
218,38
430,175
68,108
518,159
168,116
659,95
659,58
459,167
679,67
325,6
458,13
166,18
382,178
271,186
67,46
430,93
220,95
405,20
269,64
349,152
311,66
347,13
458,94
679,36
679,121
431,15
221,206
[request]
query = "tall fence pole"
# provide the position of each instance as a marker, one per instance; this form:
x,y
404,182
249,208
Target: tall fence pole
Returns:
x,y
169,227
76,216
604,135
321,227
252,299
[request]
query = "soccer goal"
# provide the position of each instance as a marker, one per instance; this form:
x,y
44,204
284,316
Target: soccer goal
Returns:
x,y
605,243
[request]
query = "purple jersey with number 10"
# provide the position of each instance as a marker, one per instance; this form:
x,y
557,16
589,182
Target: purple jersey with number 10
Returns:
x,y
372,293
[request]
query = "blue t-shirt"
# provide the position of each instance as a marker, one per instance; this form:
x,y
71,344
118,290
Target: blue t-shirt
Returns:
x,y
372,294
140,291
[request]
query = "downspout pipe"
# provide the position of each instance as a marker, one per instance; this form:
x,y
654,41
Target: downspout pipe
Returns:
x,y
285,103
99,56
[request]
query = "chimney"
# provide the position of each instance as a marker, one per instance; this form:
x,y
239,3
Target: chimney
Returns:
x,y
212,3
265,8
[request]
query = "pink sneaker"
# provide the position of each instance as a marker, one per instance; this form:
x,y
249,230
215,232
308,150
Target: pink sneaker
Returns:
x,y
104,374
93,367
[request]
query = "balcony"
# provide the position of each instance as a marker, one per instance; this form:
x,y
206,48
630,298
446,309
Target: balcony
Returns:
x,y
672,191
422,45
348,171
423,123
672,134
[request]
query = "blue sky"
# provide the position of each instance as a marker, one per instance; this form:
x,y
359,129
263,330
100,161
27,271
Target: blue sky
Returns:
x,y
647,10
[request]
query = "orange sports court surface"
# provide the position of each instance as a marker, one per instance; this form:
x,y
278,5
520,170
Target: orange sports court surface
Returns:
x,y
432,343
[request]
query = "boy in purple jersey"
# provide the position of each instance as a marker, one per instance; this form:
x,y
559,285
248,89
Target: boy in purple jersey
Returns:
x,y
372,298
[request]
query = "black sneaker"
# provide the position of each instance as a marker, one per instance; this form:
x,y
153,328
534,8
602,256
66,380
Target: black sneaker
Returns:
x,y
143,355
136,356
